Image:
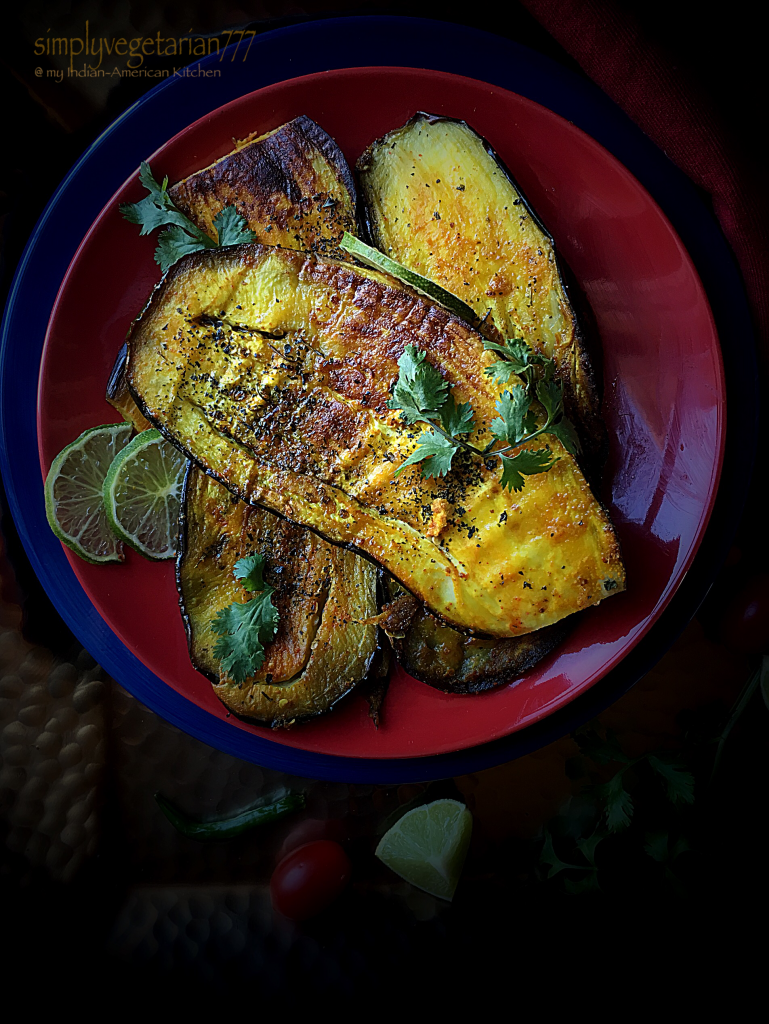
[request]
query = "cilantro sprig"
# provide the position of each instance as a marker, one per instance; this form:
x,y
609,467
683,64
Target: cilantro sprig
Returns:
x,y
614,797
422,395
243,629
517,419
420,391
659,782
158,210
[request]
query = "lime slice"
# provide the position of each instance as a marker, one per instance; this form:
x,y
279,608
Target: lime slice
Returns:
x,y
73,493
142,494
428,846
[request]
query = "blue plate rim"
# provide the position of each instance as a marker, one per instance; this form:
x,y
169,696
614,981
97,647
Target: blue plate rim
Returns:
x,y
389,41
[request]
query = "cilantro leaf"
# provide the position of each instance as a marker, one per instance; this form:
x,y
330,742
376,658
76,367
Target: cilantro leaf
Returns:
x,y
600,750
243,628
548,366
566,434
421,394
530,421
159,210
659,848
231,227
435,448
525,463
519,355
519,351
457,419
250,572
420,391
656,846
512,407
522,360
587,884
501,371
681,846
678,781
173,243
149,212
242,631
587,847
514,363
549,857
550,395
619,803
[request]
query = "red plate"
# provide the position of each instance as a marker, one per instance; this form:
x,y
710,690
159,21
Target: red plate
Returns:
x,y
663,379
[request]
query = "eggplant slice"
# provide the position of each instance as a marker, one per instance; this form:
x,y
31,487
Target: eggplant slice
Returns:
x,y
292,185
438,200
446,659
322,649
273,370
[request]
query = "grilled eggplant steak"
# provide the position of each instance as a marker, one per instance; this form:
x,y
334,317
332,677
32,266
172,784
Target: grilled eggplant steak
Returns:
x,y
438,199
273,369
322,648
292,185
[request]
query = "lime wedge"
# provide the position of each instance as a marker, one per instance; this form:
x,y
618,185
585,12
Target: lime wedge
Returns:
x,y
428,846
142,492
73,493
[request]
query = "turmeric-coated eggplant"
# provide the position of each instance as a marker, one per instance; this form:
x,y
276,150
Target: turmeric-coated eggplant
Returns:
x,y
323,647
437,199
273,370
292,185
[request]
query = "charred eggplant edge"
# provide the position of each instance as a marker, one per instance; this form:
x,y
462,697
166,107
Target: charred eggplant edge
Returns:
x,y
494,681
331,151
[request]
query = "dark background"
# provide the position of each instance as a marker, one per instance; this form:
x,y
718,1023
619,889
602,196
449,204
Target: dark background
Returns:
x,y
56,929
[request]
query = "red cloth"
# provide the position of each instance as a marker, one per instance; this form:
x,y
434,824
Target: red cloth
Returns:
x,y
637,73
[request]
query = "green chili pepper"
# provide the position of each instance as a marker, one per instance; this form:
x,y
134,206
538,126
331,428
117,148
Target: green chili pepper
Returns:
x,y
227,828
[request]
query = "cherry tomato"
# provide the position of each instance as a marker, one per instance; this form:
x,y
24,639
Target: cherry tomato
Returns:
x,y
745,625
309,879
